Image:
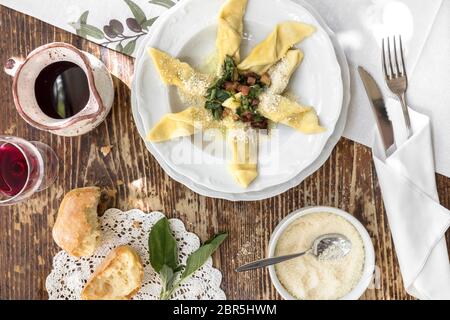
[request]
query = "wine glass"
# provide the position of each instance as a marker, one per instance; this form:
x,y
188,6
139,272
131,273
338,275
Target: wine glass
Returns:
x,y
25,168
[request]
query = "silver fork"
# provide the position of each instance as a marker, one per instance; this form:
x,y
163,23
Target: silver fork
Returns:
x,y
395,75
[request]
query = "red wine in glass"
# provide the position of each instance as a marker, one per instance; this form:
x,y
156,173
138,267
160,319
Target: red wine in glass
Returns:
x,y
13,170
25,168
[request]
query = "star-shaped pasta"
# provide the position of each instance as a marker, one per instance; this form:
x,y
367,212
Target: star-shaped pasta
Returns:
x,y
248,92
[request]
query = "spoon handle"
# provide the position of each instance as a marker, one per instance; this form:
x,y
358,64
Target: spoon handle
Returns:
x,y
268,262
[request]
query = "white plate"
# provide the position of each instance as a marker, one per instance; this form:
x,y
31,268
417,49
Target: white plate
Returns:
x,y
275,190
188,31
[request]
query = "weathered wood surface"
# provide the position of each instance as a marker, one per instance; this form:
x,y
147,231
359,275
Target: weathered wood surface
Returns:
x,y
135,180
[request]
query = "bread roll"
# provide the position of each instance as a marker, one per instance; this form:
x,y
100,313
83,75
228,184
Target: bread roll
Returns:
x,y
76,229
118,277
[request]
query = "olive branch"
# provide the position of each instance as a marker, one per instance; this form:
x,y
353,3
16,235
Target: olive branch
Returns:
x,y
114,32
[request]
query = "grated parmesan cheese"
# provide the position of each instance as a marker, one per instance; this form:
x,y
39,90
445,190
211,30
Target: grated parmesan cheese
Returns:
x,y
309,278
197,84
269,102
280,76
189,100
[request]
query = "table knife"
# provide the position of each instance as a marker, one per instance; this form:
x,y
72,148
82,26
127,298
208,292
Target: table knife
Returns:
x,y
376,99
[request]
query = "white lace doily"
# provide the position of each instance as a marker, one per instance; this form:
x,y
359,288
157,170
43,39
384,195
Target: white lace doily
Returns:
x,y
70,274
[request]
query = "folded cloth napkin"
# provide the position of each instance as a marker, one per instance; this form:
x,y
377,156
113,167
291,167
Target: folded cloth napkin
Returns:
x,y
418,222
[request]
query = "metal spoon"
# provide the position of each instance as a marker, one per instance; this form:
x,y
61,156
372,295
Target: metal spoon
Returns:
x,y
326,247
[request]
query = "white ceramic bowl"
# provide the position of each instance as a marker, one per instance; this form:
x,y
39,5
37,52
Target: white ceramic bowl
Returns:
x,y
369,263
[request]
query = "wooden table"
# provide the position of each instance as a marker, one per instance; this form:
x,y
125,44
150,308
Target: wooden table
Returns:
x,y
347,181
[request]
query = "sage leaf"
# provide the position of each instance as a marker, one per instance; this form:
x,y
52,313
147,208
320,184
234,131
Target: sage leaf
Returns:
x,y
168,278
162,246
165,273
222,95
138,14
198,258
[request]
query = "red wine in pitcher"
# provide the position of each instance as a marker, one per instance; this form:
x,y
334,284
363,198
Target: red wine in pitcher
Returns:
x,y
13,170
62,90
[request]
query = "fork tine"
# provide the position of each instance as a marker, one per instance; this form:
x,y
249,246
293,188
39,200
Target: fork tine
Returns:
x,y
393,75
397,72
401,57
383,58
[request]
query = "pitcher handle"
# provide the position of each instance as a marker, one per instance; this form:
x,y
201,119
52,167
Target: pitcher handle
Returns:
x,y
12,65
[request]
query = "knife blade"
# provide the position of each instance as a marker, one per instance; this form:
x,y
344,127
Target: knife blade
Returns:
x,y
376,99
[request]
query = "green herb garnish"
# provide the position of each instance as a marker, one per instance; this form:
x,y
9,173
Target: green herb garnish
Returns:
x,y
248,109
255,91
216,95
228,85
164,257
230,72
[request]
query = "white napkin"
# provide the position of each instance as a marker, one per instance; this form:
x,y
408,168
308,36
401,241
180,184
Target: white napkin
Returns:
x,y
431,79
418,222
359,27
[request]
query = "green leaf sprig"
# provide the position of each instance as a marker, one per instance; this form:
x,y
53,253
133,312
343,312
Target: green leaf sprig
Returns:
x,y
164,257
216,95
